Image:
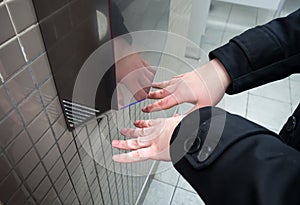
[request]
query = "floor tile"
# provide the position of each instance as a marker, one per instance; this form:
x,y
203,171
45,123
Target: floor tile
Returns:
x,y
216,21
278,90
159,193
295,93
208,47
242,16
290,6
166,173
182,183
264,16
235,104
220,9
269,105
213,35
229,34
266,112
183,197
295,77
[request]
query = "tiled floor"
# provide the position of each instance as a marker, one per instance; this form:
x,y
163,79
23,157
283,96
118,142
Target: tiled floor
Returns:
x,y
268,105
168,187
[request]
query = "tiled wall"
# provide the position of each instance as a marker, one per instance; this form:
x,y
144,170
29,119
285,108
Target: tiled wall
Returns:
x,y
41,162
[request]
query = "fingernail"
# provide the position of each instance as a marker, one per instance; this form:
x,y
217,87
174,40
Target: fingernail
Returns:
x,y
115,142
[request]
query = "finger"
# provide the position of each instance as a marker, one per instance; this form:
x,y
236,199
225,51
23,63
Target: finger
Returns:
x,y
131,144
177,115
136,132
134,156
163,104
179,76
161,85
143,123
159,94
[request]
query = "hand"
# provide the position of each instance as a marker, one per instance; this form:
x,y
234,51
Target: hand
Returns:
x,y
132,73
135,74
150,140
204,86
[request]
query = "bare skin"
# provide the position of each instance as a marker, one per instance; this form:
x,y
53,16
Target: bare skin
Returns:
x,y
150,139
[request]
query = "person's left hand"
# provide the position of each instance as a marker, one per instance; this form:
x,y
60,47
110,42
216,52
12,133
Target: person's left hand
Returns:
x,y
149,140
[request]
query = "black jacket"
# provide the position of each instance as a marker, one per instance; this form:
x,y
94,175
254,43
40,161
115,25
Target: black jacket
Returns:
x,y
228,159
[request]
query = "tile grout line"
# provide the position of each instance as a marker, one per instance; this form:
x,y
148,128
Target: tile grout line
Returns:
x,y
256,19
5,43
290,92
16,32
175,187
226,25
25,129
269,98
247,104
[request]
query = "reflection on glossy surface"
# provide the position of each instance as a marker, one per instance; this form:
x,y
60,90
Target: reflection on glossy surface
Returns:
x,y
102,25
134,74
73,30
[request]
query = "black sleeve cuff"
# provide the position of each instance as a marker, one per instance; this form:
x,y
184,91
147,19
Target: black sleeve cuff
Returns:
x,y
248,54
207,123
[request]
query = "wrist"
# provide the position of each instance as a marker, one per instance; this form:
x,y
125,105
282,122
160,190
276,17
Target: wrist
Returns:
x,y
222,73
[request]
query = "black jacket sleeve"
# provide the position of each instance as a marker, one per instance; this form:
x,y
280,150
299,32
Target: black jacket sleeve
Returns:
x,y
262,54
249,165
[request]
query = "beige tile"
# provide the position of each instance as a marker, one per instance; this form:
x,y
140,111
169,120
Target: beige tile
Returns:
x,y
48,91
5,104
9,65
30,107
7,30
38,127
22,12
21,85
33,43
41,68
19,147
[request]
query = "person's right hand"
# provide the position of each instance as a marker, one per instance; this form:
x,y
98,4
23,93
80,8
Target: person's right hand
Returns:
x,y
204,86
